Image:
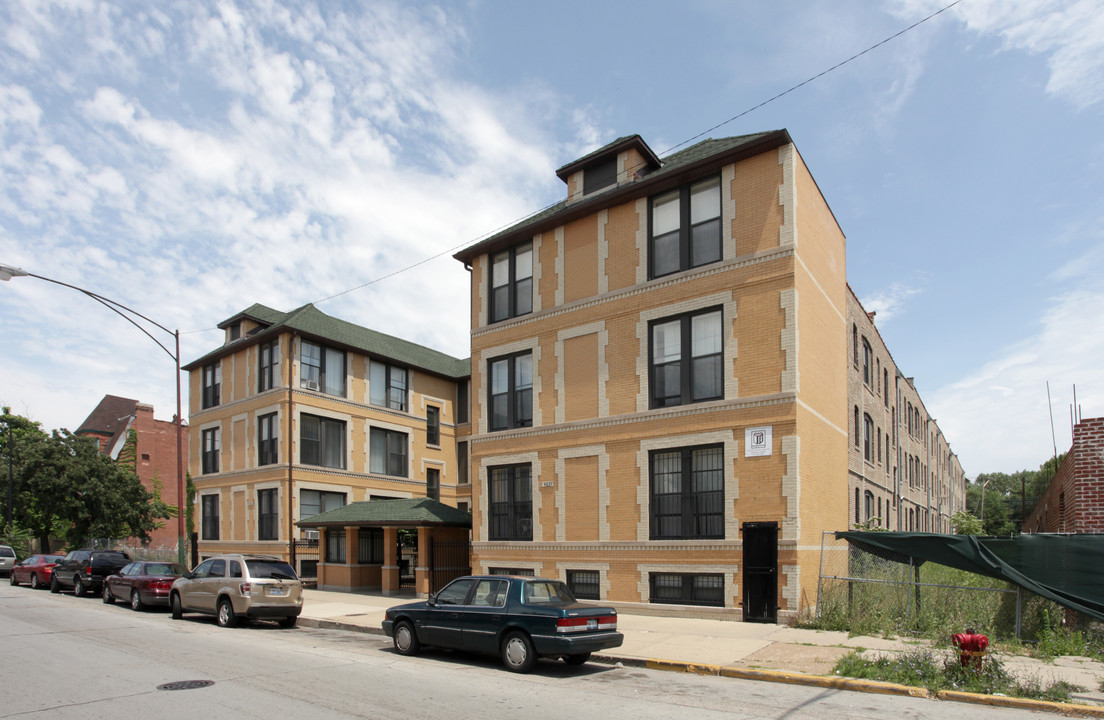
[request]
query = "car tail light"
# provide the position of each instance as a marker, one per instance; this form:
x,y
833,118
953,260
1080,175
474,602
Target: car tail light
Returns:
x,y
88,570
160,584
583,624
244,589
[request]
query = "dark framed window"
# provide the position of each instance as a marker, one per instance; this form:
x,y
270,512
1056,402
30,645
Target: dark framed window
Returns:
x,y
511,391
234,331
462,462
463,401
387,385
370,546
687,589
387,452
315,502
512,283
335,545
210,524
584,584
268,514
885,381
868,438
858,519
868,505
268,440
858,432
268,365
212,443
433,425
600,175
433,483
321,368
867,369
687,493
321,441
511,502
685,228
212,383
687,358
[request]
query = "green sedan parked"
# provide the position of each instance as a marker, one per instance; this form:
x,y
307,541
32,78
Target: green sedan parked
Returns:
x,y
520,619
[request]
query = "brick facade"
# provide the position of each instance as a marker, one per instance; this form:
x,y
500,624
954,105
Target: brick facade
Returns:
x,y
1074,499
339,441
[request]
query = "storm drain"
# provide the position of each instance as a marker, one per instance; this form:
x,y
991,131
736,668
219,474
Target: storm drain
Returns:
x,y
186,685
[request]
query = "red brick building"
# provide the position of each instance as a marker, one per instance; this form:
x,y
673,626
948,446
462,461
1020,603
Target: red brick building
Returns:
x,y
1074,499
155,451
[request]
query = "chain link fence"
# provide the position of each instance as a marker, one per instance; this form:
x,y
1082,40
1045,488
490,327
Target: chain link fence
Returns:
x,y
876,594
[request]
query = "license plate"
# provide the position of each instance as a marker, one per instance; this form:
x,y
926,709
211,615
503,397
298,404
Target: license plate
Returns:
x,y
277,591
592,623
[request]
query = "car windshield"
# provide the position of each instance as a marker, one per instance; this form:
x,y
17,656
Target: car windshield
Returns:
x,y
53,558
271,569
164,569
547,592
7,552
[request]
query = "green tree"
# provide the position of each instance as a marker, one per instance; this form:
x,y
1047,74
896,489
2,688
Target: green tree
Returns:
x,y
965,524
67,488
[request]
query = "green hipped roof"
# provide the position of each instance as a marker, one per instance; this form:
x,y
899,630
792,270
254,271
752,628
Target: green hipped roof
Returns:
x,y
311,322
413,511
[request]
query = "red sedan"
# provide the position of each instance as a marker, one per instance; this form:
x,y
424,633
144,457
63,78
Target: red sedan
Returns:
x,y
142,583
35,570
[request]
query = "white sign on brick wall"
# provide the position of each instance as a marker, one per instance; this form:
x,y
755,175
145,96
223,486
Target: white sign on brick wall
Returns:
x,y
757,441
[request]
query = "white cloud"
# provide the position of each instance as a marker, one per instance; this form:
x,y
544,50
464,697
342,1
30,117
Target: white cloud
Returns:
x,y
890,301
1069,33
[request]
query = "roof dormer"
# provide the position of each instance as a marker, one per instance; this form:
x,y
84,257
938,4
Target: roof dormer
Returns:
x,y
622,161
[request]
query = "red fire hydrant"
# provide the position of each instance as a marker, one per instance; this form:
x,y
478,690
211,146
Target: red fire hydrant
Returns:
x,y
971,647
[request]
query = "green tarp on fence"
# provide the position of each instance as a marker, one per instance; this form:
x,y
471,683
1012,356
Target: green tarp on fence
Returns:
x,y
1068,569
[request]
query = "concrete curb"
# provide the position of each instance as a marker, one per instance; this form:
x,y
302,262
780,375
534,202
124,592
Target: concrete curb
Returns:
x,y
792,678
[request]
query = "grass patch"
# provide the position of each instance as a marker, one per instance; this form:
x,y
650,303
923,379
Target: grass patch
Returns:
x,y
936,670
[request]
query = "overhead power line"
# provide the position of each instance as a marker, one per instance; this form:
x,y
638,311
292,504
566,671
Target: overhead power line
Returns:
x,y
732,119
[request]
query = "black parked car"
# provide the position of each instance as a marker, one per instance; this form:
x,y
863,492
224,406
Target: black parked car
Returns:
x,y
518,618
84,570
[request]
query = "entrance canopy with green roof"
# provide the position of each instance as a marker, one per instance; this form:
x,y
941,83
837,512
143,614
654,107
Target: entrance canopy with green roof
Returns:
x,y
412,512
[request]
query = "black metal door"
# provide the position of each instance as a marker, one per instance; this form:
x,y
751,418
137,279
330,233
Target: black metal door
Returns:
x,y
761,572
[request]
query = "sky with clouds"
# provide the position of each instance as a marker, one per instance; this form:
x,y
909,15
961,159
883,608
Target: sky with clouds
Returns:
x,y
190,158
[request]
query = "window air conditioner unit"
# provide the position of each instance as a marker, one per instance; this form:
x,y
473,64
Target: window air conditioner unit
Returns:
x,y
312,385
310,534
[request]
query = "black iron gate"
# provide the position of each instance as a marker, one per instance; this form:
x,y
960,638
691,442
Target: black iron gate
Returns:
x,y
448,560
306,557
760,572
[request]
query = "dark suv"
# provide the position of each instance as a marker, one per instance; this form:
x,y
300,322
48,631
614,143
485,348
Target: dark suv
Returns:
x,y
84,570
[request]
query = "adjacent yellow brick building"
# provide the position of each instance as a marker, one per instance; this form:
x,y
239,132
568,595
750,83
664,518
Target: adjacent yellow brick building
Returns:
x,y
299,413
661,411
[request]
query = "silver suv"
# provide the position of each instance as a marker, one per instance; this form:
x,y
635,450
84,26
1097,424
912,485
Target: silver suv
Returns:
x,y
239,586
7,560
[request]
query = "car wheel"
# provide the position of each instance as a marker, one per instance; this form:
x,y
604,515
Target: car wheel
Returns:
x,y
108,598
405,639
54,586
135,601
518,654
289,622
576,659
11,578
174,604
225,616
78,586
34,581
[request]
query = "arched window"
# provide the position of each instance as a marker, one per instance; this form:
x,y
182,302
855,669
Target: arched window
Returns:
x,y
868,438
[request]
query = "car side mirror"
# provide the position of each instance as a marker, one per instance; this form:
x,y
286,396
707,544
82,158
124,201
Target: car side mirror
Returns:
x,y
431,601
189,575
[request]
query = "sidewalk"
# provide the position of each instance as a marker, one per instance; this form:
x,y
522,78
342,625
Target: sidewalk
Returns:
x,y
738,649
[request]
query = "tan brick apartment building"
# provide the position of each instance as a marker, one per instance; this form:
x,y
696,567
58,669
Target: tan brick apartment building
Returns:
x,y
663,382
299,413
902,472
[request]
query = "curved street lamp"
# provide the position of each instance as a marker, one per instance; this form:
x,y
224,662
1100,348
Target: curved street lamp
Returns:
x,y
7,272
